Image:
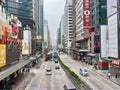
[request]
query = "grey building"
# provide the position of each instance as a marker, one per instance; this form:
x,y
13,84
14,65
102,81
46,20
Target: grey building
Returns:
x,y
39,20
23,9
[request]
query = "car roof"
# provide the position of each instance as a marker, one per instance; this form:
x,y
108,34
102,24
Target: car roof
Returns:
x,y
48,68
70,86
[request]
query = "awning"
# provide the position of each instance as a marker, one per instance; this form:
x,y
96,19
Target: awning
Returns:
x,y
116,62
91,54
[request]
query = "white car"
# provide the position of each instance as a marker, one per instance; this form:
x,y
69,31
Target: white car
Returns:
x,y
83,72
48,71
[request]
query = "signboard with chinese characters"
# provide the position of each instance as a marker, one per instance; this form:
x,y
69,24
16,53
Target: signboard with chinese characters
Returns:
x,y
116,62
87,18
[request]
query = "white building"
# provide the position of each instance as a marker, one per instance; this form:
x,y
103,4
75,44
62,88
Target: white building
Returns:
x,y
62,30
79,20
68,25
46,34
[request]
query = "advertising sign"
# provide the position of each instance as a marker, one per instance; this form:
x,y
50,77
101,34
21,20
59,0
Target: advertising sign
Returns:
x,y
26,50
87,18
2,55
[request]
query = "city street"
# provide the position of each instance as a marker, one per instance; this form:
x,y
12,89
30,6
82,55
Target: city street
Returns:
x,y
55,81
94,80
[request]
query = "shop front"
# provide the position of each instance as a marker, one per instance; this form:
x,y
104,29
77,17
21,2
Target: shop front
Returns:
x,y
83,54
116,68
91,58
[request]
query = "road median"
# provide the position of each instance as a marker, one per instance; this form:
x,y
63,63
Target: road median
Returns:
x,y
79,84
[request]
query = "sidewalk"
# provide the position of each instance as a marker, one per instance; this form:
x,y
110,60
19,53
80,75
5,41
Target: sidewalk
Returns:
x,y
113,79
101,72
22,81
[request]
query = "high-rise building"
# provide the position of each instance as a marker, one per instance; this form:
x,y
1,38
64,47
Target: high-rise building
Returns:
x,y
62,30
46,36
23,9
113,36
59,34
39,20
68,25
81,27
99,17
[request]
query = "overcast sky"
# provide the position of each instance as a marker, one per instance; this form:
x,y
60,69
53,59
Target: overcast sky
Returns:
x,y
53,10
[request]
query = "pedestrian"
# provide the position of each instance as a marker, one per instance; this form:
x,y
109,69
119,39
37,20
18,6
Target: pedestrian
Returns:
x,y
116,75
109,76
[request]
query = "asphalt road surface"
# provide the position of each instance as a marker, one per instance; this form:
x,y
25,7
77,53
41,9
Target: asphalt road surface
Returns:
x,y
56,81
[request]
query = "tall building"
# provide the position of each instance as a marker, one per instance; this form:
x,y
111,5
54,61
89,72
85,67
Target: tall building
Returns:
x,y
68,25
74,53
23,9
59,34
81,27
113,35
46,36
39,20
99,24
62,30
99,17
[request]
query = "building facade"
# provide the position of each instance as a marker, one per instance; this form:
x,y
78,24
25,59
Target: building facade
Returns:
x,y
99,17
113,34
46,36
68,26
82,27
99,22
39,20
23,9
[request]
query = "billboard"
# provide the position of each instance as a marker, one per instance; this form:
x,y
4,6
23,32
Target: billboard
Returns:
x,y
26,50
2,55
104,38
87,18
97,43
111,7
113,36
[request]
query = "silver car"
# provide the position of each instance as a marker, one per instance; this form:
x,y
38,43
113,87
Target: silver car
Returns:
x,y
83,72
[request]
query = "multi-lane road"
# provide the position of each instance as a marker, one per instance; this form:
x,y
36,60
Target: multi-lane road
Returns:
x,y
94,80
56,81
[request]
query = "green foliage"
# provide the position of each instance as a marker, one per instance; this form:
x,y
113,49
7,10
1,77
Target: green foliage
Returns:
x,y
73,74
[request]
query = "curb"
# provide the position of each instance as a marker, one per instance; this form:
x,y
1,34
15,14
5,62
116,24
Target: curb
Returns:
x,y
107,78
100,74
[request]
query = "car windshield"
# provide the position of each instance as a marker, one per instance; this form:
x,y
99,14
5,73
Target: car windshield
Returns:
x,y
84,70
48,70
